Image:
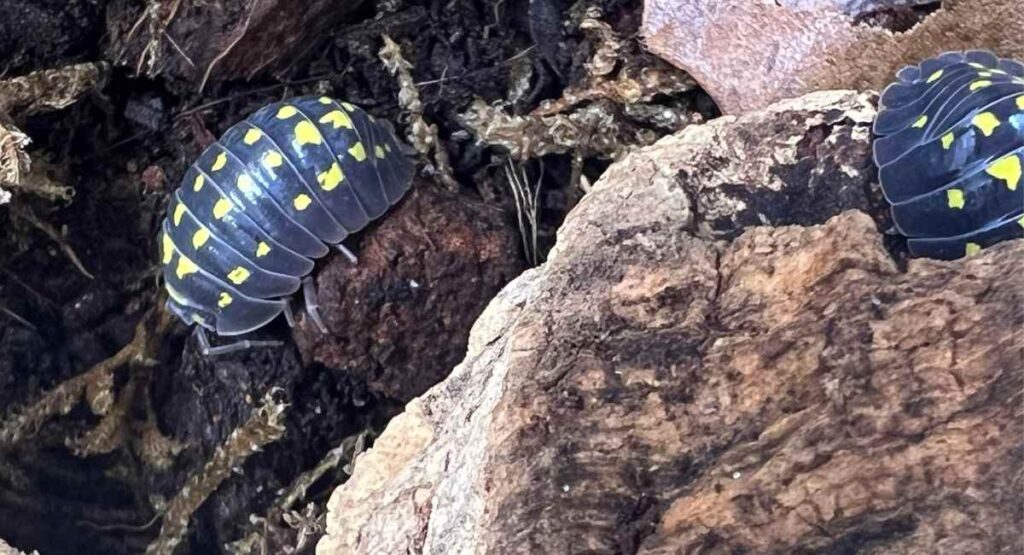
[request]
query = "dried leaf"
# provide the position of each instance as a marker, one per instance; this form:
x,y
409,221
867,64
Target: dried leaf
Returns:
x,y
603,115
51,89
748,55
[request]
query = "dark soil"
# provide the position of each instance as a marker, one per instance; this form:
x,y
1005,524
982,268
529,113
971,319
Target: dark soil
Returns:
x,y
123,148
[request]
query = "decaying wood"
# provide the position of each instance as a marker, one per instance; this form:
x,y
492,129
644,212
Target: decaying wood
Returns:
x,y
750,54
688,373
205,42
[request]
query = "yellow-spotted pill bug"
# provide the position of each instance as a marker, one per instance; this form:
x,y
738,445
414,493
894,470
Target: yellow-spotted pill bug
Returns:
x,y
950,150
259,205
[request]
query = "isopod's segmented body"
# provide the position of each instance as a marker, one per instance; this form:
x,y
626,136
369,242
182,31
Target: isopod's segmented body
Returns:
x,y
260,204
950,151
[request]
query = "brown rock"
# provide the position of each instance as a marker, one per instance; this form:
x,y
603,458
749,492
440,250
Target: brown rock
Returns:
x,y
748,55
655,388
233,39
399,318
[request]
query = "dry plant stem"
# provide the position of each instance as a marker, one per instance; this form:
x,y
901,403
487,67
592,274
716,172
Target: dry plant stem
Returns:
x,y
231,45
422,134
95,384
263,427
349,448
526,199
26,214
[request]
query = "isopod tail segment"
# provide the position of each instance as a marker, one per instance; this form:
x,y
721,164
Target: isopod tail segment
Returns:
x,y
273,194
311,306
950,152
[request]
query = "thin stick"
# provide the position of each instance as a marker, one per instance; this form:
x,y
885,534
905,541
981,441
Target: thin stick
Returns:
x,y
219,57
178,48
56,237
15,316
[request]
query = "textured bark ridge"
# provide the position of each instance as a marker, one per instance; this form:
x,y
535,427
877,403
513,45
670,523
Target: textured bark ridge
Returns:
x,y
659,386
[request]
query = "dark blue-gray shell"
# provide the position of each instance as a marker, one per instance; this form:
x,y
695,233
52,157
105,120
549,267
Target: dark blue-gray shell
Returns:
x,y
260,204
950,151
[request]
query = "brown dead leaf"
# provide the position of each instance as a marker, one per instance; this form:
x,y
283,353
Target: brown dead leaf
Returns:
x,y
748,55
50,89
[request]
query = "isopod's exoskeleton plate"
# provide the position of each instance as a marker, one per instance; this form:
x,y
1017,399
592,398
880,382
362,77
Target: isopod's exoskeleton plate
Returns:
x,y
950,152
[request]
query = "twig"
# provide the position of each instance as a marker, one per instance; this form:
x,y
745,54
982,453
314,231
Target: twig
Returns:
x,y
263,427
178,48
349,448
223,53
15,316
527,206
423,135
61,399
54,235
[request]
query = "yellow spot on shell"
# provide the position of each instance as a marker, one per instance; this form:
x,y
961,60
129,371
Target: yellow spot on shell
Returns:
x,y
947,140
197,185
379,151
306,133
1020,102
976,65
302,201
200,237
245,184
337,119
238,275
984,74
358,152
980,84
935,76
331,178
262,249
185,267
219,162
286,112
920,122
1007,168
348,106
251,136
387,147
986,121
972,249
221,208
325,100
272,159
1020,221
224,300
167,248
179,211
955,197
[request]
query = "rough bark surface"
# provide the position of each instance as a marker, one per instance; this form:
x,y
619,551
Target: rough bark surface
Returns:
x,y
426,272
235,39
748,55
658,386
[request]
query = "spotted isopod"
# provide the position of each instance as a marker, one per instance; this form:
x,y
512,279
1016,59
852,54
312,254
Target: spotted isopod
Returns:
x,y
259,205
950,151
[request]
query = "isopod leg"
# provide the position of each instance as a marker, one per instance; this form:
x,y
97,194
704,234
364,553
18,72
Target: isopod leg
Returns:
x,y
351,256
289,316
207,350
312,305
